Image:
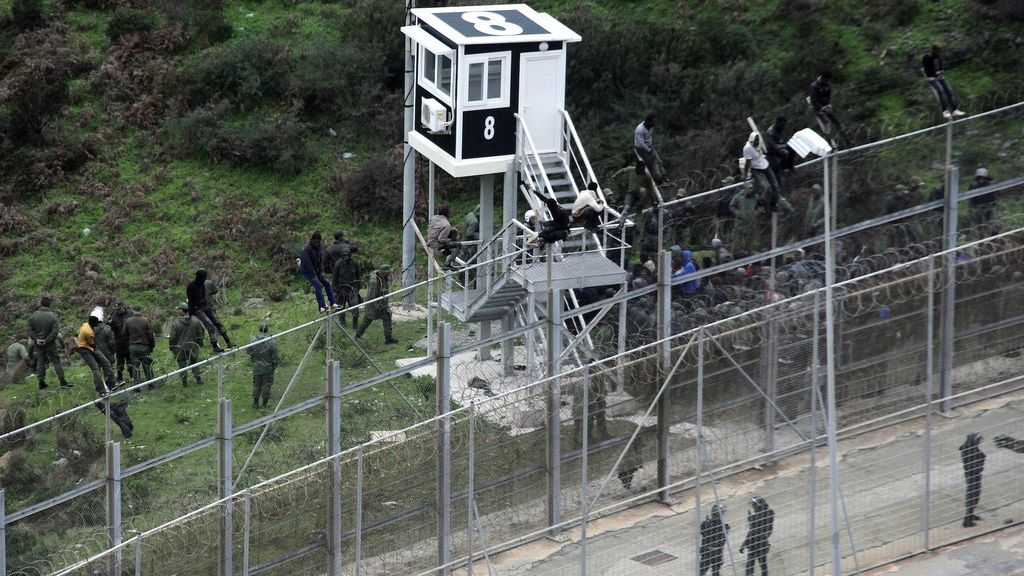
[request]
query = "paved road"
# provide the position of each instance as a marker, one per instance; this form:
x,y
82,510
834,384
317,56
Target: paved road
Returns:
x,y
883,479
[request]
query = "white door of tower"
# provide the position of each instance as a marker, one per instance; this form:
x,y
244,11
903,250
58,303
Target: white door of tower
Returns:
x,y
541,96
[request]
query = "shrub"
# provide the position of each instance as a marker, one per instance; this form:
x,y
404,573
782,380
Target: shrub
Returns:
x,y
127,21
27,14
245,73
373,189
340,80
33,95
209,26
277,144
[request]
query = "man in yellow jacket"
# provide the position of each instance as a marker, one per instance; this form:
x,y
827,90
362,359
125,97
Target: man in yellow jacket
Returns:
x,y
96,361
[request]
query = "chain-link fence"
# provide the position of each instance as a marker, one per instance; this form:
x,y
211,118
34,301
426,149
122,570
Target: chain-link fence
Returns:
x,y
653,385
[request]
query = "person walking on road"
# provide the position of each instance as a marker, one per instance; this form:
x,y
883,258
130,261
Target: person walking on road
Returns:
x,y
265,360
760,522
185,341
379,310
43,330
200,307
973,460
141,343
713,534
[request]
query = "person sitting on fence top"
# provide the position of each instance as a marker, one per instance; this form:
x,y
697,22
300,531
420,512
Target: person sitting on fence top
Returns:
x,y
641,190
757,165
554,230
588,208
820,99
780,155
643,145
931,66
441,237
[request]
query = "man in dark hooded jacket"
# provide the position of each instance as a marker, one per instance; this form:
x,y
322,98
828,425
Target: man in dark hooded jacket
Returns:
x,y
557,228
117,320
200,308
760,522
311,266
974,463
713,534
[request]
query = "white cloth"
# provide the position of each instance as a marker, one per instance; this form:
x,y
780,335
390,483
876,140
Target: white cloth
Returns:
x,y
755,158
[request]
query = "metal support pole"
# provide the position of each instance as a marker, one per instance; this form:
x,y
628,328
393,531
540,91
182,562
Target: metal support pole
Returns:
x,y
138,557
485,272
359,511
334,515
812,531
949,285
224,478
584,493
409,172
700,447
664,365
621,348
3,533
509,205
220,380
929,391
113,506
830,379
508,351
531,337
554,405
769,351
444,452
246,532
470,487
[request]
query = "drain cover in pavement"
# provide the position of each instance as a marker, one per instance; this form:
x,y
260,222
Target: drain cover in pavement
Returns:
x,y
653,558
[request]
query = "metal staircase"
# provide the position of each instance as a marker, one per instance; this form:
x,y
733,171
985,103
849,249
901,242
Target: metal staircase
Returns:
x,y
499,285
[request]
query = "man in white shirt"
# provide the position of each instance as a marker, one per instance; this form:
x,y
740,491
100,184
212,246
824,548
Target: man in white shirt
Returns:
x,y
757,163
643,145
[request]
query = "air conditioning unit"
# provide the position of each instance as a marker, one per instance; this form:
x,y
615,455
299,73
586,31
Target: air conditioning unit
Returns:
x,y
433,115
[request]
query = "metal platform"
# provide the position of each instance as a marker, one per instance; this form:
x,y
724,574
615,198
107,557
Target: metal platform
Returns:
x,y
573,271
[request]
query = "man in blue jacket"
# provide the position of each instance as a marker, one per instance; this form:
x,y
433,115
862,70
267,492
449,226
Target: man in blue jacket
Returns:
x,y
690,287
311,266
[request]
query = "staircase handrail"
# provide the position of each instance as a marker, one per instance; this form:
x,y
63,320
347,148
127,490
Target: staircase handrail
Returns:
x,y
575,137
532,152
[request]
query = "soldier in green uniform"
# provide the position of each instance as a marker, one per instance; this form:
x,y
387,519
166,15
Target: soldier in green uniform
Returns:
x,y
141,343
379,310
106,342
43,328
185,341
345,276
17,361
264,361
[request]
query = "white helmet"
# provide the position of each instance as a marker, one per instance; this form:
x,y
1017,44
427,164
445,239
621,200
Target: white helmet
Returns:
x,y
981,173
530,215
98,313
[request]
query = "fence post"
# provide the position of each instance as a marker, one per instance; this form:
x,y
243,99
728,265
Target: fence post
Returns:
x,y
333,449
769,351
224,478
3,533
929,391
114,506
508,357
359,512
664,365
554,405
584,492
471,484
486,271
444,454
247,532
813,469
700,447
949,285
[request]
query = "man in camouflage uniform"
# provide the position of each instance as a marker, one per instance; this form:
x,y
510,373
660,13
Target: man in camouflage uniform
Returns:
x,y
379,310
117,320
264,362
141,343
185,341
43,329
17,361
106,341
345,277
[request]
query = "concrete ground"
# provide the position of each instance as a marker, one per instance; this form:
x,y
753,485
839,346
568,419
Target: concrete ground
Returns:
x,y
882,478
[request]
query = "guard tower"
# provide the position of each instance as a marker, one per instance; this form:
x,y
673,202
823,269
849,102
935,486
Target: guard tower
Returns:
x,y
489,98
476,68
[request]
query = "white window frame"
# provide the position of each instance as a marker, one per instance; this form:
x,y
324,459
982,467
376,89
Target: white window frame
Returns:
x,y
504,100
428,83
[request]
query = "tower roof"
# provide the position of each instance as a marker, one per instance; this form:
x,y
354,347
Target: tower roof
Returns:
x,y
495,24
